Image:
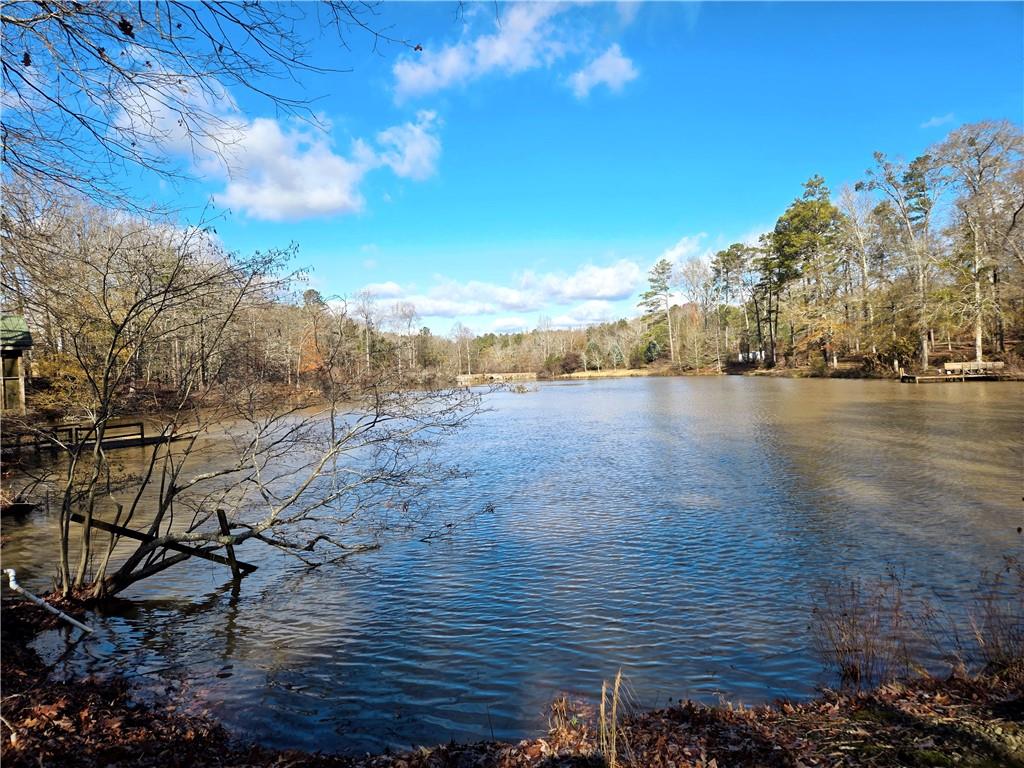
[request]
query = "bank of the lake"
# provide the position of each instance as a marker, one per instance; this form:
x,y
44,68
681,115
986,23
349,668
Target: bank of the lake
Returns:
x,y
845,370
971,722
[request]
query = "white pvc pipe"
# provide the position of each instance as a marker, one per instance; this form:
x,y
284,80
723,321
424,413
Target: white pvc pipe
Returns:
x,y
42,603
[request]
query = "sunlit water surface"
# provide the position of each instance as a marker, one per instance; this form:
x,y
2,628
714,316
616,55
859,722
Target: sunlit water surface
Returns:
x,y
679,529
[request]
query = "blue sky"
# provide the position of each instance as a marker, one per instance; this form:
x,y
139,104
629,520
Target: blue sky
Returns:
x,y
536,159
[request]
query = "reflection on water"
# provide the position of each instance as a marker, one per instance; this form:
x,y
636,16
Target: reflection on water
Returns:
x,y
676,528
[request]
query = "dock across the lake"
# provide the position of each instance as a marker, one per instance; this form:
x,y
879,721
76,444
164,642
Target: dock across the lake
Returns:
x,y
974,370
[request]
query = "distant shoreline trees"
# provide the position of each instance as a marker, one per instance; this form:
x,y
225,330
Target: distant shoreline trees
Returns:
x,y
894,271
922,259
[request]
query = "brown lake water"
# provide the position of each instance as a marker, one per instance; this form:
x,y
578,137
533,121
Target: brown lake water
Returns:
x,y
677,528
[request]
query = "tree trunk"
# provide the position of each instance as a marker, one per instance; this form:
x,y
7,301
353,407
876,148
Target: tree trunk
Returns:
x,y
997,300
671,337
978,351
760,333
979,306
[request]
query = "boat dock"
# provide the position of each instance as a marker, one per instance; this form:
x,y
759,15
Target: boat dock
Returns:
x,y
62,436
975,370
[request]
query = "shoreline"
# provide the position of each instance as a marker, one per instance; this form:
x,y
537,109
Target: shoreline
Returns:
x,y
972,721
776,373
803,372
480,379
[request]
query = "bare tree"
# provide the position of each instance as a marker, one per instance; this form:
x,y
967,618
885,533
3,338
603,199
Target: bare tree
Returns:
x,y
856,223
698,285
92,89
405,317
462,336
320,479
983,159
912,190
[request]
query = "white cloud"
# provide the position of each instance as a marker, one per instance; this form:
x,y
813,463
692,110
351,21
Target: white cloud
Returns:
x,y
500,297
595,286
199,118
936,121
587,313
276,170
388,290
589,294
617,281
524,40
435,306
611,69
280,174
686,248
527,36
411,150
509,324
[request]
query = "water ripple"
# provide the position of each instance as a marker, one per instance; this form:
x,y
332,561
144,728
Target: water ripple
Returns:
x,y
675,528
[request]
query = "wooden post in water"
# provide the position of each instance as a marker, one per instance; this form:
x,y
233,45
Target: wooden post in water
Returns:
x,y
223,520
205,554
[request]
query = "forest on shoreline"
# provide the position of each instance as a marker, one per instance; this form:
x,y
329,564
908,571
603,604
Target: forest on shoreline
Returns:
x,y
918,263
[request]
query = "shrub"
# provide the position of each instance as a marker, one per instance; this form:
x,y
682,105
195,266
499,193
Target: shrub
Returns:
x,y
552,366
571,362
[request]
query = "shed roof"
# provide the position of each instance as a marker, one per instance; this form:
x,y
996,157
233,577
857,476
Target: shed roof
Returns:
x,y
14,333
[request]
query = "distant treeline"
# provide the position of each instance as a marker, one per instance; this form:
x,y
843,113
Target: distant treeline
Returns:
x,y
920,259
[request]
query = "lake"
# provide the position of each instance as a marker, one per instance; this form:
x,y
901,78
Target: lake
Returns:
x,y
680,529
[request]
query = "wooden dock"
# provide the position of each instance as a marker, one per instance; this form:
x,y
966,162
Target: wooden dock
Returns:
x,y
53,436
975,370
909,378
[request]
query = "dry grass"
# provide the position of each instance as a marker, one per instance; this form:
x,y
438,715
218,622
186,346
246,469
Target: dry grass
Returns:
x,y
872,632
612,736
608,722
998,620
863,630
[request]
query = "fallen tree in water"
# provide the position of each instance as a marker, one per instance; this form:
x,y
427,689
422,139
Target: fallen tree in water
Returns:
x,y
973,721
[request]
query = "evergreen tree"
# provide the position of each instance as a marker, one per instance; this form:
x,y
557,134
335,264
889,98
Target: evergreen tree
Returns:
x,y
657,299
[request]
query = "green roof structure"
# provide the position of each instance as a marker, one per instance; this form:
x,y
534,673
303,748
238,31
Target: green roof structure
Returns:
x,y
14,333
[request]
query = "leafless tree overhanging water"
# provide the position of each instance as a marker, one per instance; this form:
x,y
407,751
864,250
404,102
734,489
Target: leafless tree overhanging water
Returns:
x,y
292,468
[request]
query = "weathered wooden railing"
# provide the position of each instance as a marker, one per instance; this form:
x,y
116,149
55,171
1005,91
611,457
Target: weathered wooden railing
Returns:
x,y
972,366
958,371
54,436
